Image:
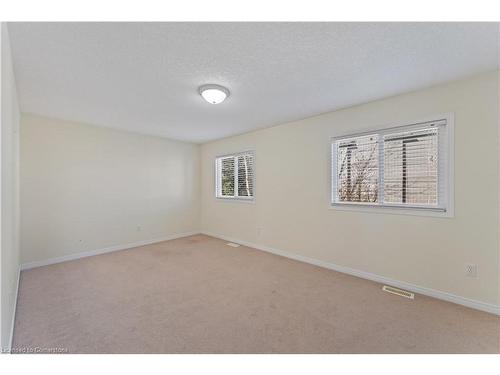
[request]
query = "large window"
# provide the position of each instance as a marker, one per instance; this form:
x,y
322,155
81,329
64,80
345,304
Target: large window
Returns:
x,y
403,167
234,176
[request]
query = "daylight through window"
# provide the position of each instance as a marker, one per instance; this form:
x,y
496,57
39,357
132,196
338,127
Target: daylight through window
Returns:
x,y
398,167
235,176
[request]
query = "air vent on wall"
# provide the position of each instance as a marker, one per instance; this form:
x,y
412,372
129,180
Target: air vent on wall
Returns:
x,y
399,292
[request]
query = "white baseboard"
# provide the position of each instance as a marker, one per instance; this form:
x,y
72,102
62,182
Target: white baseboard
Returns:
x,y
445,296
11,341
478,305
46,262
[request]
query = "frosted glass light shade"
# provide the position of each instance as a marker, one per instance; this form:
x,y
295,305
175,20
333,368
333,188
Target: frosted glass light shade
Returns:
x,y
214,94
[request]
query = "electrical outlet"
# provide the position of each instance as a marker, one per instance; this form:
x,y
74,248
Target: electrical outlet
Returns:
x,y
259,231
139,228
471,270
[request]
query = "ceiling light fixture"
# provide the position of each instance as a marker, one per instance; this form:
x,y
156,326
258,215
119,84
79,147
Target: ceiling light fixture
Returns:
x,y
214,94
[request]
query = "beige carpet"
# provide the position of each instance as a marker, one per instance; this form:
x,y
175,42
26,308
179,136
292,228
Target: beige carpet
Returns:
x,y
197,295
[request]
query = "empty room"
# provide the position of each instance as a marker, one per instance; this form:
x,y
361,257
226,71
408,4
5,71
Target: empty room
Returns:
x,y
250,188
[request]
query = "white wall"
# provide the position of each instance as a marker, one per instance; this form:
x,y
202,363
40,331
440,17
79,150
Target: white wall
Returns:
x,y
498,227
291,212
9,228
85,188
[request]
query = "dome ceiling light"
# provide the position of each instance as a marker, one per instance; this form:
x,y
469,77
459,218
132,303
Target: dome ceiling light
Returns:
x,y
214,94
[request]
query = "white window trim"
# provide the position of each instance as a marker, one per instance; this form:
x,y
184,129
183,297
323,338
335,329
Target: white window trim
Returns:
x,y
397,209
216,179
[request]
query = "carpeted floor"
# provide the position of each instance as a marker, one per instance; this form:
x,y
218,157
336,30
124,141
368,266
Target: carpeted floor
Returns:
x,y
198,295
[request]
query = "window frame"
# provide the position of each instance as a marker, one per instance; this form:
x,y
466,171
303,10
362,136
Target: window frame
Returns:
x,y
445,174
234,198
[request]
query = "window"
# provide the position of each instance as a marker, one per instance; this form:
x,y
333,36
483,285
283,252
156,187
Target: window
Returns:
x,y
404,167
234,176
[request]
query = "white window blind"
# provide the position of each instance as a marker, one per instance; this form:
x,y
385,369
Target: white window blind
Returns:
x,y
234,176
410,167
403,167
357,166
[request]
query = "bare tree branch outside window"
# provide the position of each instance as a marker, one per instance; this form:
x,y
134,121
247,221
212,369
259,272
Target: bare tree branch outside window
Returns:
x,y
357,179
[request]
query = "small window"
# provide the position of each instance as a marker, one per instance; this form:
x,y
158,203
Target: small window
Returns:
x,y
234,176
405,167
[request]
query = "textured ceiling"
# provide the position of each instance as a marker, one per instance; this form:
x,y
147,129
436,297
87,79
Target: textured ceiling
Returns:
x,y
143,77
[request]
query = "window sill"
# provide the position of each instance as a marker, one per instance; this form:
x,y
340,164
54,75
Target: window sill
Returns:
x,y
392,210
236,200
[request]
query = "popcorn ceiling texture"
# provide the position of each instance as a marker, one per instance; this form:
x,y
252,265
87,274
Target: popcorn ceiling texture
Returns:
x,y
143,77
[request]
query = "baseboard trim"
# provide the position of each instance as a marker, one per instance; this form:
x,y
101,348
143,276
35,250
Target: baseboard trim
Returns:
x,y
445,296
110,249
11,341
